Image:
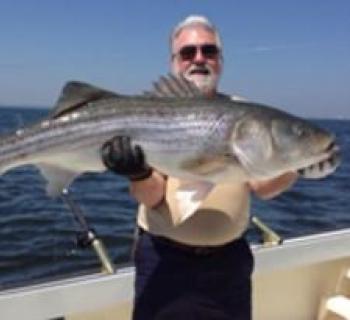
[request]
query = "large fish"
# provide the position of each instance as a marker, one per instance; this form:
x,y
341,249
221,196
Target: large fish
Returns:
x,y
182,133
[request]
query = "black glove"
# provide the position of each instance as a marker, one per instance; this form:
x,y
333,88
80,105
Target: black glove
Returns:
x,y
119,156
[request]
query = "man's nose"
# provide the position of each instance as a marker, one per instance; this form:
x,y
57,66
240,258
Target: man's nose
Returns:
x,y
199,57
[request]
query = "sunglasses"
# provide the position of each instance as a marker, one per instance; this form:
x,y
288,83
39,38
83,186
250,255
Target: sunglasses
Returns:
x,y
209,51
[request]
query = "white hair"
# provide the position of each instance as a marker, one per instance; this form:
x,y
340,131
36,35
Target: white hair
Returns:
x,y
195,20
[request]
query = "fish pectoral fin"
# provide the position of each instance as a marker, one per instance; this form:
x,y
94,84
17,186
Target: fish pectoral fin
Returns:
x,y
189,197
57,178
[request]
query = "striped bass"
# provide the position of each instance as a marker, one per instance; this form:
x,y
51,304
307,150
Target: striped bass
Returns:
x,y
182,133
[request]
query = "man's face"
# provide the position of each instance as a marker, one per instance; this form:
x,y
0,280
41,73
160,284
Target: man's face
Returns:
x,y
197,57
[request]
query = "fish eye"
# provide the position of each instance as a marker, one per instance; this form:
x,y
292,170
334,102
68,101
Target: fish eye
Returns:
x,y
299,130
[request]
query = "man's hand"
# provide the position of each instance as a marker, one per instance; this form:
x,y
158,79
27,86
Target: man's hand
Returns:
x,y
267,189
121,157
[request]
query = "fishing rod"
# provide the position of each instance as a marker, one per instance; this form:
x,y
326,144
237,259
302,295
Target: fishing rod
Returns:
x,y
269,237
87,237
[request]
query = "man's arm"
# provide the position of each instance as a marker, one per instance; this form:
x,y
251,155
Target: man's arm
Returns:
x,y
148,186
150,191
267,189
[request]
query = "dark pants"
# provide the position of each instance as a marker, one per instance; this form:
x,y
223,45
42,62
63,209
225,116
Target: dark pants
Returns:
x,y
172,283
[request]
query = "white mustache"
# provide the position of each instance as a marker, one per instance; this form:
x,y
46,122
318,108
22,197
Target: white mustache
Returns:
x,y
205,69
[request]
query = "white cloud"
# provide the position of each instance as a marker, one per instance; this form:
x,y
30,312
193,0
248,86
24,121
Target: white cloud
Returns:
x,y
268,48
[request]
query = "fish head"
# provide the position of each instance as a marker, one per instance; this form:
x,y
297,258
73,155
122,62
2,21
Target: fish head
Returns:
x,y
305,147
269,146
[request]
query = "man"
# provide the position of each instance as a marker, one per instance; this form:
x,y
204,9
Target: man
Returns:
x,y
201,267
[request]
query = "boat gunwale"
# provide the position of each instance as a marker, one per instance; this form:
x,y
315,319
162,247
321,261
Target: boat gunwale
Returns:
x,y
63,297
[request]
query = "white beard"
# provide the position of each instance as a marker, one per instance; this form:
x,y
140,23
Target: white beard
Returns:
x,y
205,83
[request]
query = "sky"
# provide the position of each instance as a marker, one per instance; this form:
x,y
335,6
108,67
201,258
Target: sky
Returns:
x,y
294,55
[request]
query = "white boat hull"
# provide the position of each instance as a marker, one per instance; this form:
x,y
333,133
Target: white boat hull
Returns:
x,y
290,282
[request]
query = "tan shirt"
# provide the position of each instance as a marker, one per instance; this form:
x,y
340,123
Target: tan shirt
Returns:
x,y
221,217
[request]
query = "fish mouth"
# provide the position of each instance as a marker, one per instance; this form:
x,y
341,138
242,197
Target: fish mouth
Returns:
x,y
326,164
332,147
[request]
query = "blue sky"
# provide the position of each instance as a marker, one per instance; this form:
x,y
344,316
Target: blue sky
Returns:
x,y
294,55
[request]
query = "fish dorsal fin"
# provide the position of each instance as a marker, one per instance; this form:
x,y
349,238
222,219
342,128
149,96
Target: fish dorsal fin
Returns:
x,y
171,86
77,94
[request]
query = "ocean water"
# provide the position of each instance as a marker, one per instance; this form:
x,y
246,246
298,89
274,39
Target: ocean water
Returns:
x,y
38,234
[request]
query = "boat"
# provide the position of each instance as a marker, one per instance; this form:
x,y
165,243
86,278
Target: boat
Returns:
x,y
301,278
